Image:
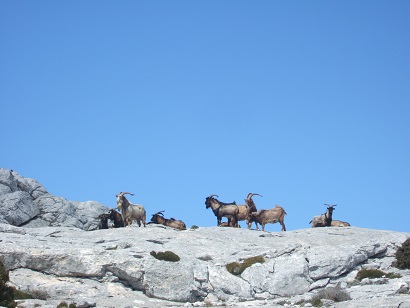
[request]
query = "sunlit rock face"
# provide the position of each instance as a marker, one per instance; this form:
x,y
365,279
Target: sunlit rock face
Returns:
x,y
102,265
54,249
25,202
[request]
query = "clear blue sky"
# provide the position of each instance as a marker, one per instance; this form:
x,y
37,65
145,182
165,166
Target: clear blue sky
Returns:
x,y
303,102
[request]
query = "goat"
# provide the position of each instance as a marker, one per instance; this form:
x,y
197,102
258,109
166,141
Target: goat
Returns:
x,y
230,223
116,218
129,211
158,218
103,221
221,209
324,220
263,217
339,223
249,207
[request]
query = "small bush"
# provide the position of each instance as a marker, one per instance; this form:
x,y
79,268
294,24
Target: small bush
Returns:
x,y
335,294
6,292
403,256
236,268
374,273
316,302
18,294
194,227
165,256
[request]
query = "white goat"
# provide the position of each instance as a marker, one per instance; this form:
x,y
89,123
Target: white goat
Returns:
x,y
129,211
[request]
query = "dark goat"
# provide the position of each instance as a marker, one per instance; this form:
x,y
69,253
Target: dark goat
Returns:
x,y
324,220
103,221
116,217
158,218
221,209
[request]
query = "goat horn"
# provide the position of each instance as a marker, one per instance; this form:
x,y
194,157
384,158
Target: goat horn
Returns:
x,y
213,195
126,193
250,195
157,213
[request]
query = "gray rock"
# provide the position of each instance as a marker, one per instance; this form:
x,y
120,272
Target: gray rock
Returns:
x,y
55,256
90,266
286,275
8,183
17,208
319,284
24,202
11,181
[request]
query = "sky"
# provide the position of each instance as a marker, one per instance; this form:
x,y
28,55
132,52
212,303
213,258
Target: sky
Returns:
x,y
302,102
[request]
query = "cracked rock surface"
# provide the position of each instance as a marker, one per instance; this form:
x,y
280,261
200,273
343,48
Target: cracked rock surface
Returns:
x,y
52,248
25,202
114,267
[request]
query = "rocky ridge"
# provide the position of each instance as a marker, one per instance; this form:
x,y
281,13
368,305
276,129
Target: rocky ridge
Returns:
x,y
57,258
115,268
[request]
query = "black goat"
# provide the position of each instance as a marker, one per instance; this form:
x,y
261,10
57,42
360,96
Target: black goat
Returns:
x,y
116,217
103,221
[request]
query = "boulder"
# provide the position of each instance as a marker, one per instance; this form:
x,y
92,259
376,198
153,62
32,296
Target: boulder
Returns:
x,y
25,202
17,208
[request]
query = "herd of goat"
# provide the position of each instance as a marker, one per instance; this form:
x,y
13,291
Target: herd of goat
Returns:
x,y
234,213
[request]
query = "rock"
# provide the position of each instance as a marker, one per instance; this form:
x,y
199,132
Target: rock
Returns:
x,y
11,181
7,182
319,284
286,275
24,202
55,260
58,255
17,208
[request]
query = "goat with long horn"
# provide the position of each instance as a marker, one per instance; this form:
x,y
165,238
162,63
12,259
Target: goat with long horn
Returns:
x,y
129,211
222,209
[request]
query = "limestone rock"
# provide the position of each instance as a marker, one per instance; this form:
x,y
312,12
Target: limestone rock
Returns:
x,y
77,265
17,207
58,254
24,202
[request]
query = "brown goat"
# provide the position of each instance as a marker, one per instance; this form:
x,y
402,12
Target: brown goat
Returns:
x,y
249,207
158,218
263,217
230,223
339,223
